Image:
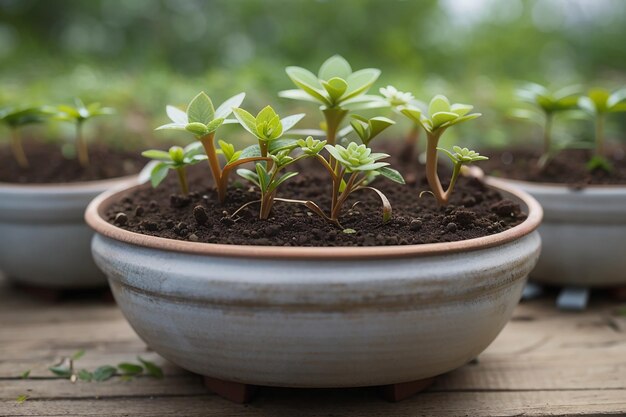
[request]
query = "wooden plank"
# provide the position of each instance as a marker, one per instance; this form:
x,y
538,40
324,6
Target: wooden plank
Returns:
x,y
290,403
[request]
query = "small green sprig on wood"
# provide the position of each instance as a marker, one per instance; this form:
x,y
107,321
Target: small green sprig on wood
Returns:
x,y
78,115
441,116
597,104
16,118
334,87
177,159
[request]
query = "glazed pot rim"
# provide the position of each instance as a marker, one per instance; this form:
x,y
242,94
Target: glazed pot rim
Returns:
x,y
94,216
65,186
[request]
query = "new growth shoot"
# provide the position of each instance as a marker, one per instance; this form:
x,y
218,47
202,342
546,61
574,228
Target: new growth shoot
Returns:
x,y
16,118
177,159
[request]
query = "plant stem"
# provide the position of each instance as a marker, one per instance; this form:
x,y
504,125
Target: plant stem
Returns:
x,y
81,146
336,211
18,150
336,184
334,117
214,163
547,134
182,179
431,168
600,134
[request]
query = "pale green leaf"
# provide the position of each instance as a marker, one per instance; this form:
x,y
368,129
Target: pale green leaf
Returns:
x,y
335,66
297,95
391,174
308,82
438,104
200,109
156,154
290,121
360,81
226,108
176,115
246,120
158,174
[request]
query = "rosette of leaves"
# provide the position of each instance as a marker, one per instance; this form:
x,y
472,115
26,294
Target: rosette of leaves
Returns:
x,y
334,87
441,115
459,157
202,120
598,103
14,119
545,104
355,166
267,126
78,114
177,159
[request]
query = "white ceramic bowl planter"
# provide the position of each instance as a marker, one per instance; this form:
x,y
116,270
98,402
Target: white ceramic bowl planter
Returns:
x,y
44,241
583,234
316,317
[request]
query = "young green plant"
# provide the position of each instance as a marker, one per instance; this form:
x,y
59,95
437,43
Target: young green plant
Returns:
x,y
177,159
202,120
14,119
355,167
545,105
598,103
334,87
78,114
398,100
442,115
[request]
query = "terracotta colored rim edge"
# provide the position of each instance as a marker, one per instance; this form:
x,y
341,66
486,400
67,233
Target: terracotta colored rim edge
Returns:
x,y
53,186
95,210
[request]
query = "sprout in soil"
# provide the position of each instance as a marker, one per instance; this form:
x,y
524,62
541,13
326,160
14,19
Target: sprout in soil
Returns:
x,y
334,87
78,114
442,115
355,167
546,105
598,103
14,119
202,120
176,158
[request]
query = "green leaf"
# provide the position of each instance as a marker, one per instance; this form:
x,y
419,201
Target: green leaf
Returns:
x,y
349,231
441,117
246,120
151,368
280,145
249,175
378,124
25,374
600,98
62,370
21,398
360,81
391,174
290,121
335,66
197,128
85,375
439,104
104,373
308,82
200,109
78,354
266,115
263,177
599,163
156,154
251,151
227,149
172,126
297,95
176,115
130,368
226,108
335,87
214,125
461,109
282,179
615,98
360,130
158,174
414,114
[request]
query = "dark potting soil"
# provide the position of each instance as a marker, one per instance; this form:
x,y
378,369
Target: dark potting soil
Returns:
x,y
48,165
567,167
474,211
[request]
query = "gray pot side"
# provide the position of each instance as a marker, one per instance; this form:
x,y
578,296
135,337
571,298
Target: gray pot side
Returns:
x,y
44,240
583,234
317,317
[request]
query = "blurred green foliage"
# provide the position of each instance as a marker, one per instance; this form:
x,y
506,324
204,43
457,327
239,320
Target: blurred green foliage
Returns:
x,y
138,55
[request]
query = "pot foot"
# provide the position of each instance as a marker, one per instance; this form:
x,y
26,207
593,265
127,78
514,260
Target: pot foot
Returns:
x,y
573,298
236,392
404,390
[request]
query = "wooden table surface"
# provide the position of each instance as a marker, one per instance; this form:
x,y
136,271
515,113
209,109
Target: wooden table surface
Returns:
x,y
545,362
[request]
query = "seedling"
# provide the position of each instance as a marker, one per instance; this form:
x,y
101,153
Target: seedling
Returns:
x,y
15,118
442,115
202,120
334,87
78,115
398,100
546,105
176,158
598,103
355,165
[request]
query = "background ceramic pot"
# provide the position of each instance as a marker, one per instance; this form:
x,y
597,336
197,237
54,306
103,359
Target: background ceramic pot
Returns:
x,y
583,234
44,240
316,317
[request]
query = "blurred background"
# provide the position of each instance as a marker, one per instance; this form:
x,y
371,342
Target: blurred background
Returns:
x,y
139,55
